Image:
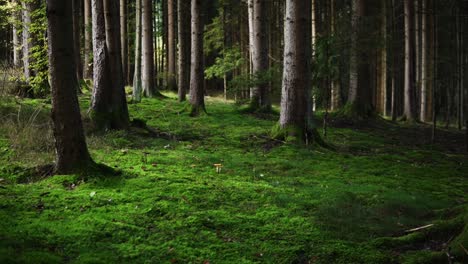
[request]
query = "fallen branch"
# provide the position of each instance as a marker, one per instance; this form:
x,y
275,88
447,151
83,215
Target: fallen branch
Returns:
x,y
418,228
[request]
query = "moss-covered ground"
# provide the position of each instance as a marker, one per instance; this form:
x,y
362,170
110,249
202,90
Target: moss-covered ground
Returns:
x,y
272,202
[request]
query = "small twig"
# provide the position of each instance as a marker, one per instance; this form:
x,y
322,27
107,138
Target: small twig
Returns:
x,y
418,228
464,249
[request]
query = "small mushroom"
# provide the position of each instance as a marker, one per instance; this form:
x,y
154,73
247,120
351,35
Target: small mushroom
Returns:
x,y
218,167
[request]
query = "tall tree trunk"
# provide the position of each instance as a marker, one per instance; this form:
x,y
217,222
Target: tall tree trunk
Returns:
x,y
260,98
120,117
409,107
171,17
359,97
250,15
424,62
148,74
335,100
197,90
314,40
71,151
88,43
77,39
26,14
124,40
184,52
296,109
460,43
16,39
137,85
382,77
108,104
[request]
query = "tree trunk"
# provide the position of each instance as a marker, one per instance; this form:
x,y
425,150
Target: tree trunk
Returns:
x,y
197,91
71,151
296,109
409,107
250,10
172,74
359,98
335,100
260,98
120,117
16,40
77,39
137,86
108,104
124,40
382,77
26,14
424,62
184,51
148,74
88,43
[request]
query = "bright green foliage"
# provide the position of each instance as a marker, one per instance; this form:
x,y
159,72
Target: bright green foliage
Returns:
x,y
229,61
272,202
40,63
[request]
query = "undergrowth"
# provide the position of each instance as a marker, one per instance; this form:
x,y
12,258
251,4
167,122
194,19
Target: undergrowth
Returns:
x,y
272,201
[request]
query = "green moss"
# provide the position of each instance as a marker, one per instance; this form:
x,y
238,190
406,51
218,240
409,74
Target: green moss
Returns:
x,y
163,200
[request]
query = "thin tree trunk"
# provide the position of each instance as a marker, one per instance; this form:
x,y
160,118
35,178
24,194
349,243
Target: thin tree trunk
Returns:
x,y
424,62
137,86
260,98
16,39
382,95
184,44
88,44
197,92
435,72
71,151
171,16
124,40
77,39
250,9
394,65
26,40
409,107
148,74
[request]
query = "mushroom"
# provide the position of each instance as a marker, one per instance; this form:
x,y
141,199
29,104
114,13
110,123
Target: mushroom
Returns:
x,y
218,167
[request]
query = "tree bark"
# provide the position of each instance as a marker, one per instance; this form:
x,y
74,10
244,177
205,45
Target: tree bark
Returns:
x,y
88,43
77,39
108,104
359,98
120,117
124,40
424,62
148,73
71,151
184,51
250,10
171,49
409,107
26,14
16,40
137,84
296,108
197,90
260,98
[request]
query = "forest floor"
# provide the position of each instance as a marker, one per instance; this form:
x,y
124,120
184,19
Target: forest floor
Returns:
x,y
272,202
